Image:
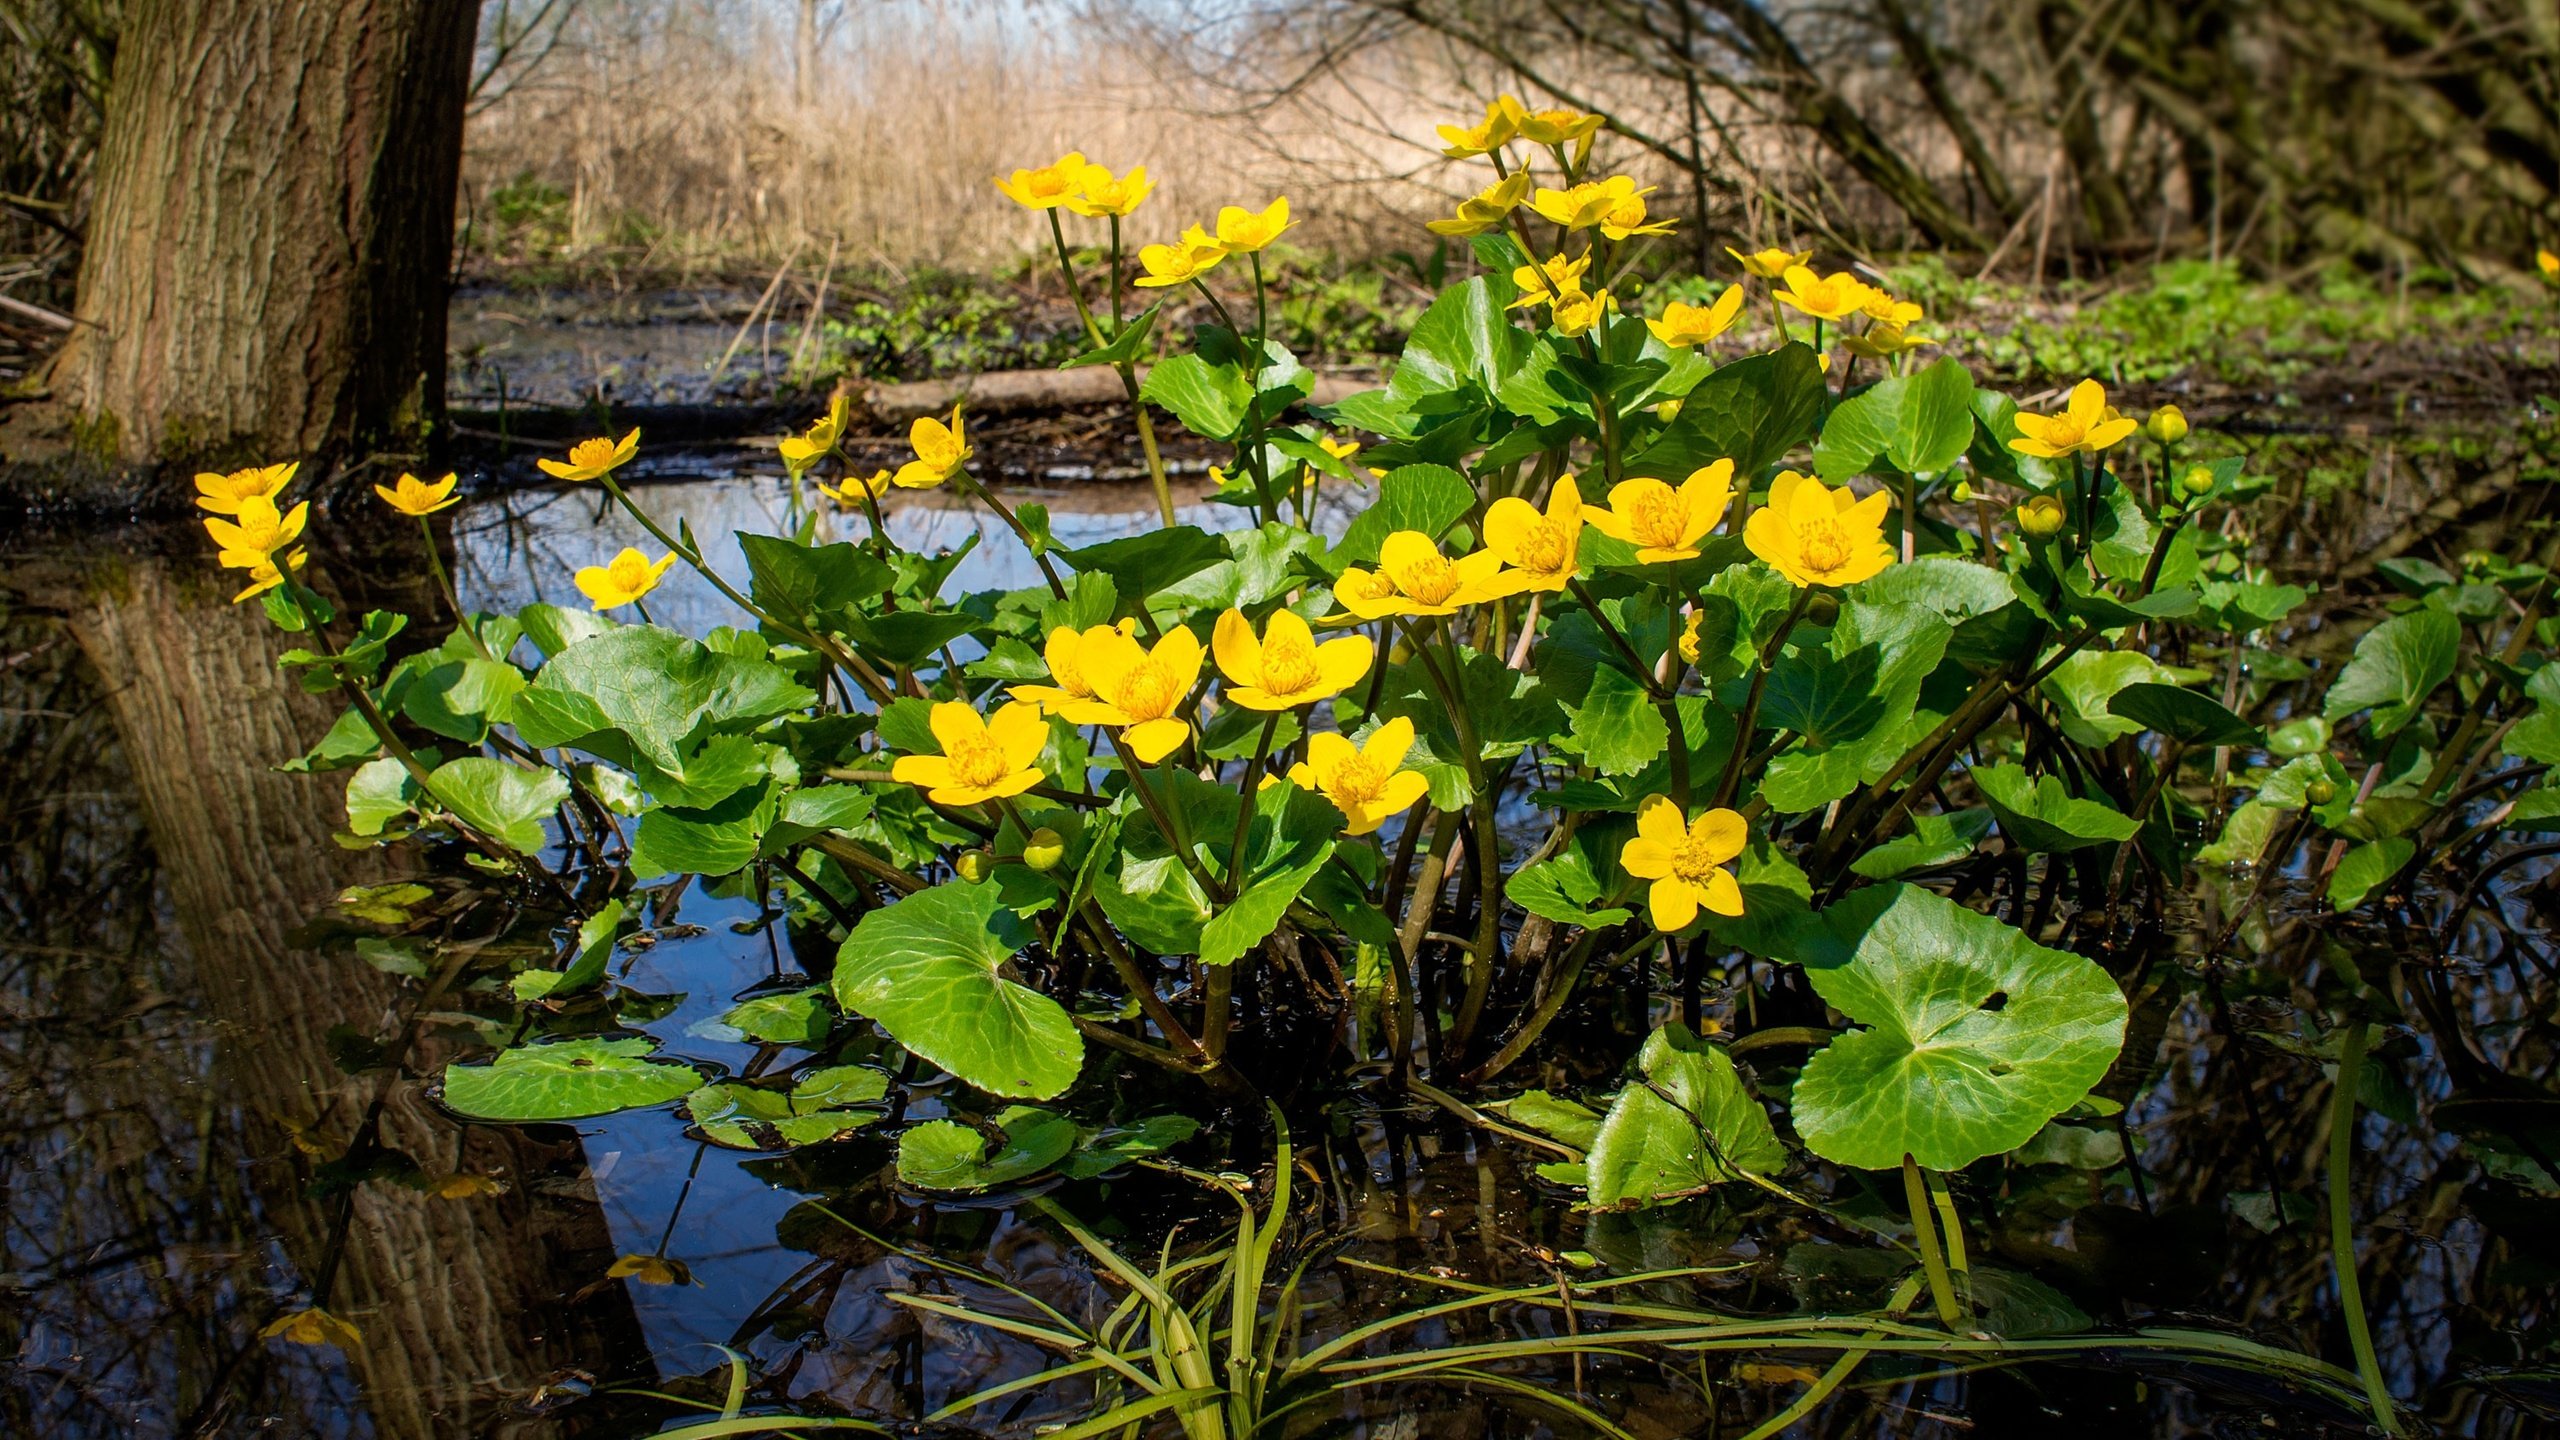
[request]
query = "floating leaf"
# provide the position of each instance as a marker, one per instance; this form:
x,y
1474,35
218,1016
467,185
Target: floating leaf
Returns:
x,y
926,968
756,1117
947,1155
568,1080
1976,1034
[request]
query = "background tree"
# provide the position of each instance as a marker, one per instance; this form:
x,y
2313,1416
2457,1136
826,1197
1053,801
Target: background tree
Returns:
x,y
271,229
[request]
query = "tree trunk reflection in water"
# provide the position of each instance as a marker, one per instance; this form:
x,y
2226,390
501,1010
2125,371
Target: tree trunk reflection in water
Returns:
x,y
462,1303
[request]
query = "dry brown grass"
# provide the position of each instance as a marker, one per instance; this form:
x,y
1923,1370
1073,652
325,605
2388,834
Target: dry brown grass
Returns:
x,y
675,124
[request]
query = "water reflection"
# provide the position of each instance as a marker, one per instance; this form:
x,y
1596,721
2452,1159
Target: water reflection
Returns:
x,y
174,1031
184,1071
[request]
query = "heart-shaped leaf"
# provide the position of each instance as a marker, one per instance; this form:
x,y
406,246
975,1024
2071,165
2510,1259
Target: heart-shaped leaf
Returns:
x,y
1976,1035
2396,666
2043,815
947,1155
925,969
568,1080
1687,1124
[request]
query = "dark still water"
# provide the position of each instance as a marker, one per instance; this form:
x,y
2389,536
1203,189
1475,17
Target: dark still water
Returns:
x,y
215,1081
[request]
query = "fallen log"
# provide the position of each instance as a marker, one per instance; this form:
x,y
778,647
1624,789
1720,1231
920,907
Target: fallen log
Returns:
x,y
1015,392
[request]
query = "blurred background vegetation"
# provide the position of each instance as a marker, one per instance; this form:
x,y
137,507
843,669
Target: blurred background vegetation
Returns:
x,y
2143,188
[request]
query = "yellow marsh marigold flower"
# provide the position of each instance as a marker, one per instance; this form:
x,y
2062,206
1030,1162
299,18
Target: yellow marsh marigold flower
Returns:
x,y
1579,208
2087,425
1497,130
2042,517
1180,263
1047,187
849,493
1682,326
1577,312
1066,644
980,759
1365,782
940,452
1815,535
264,576
1543,284
1544,549
314,1326
1689,646
593,459
1769,264
413,496
1138,691
1886,310
799,452
1835,296
1486,209
1685,861
623,579
1414,578
1883,342
1099,193
1551,127
257,531
1661,522
1626,213
1242,231
222,494
1284,667
2547,263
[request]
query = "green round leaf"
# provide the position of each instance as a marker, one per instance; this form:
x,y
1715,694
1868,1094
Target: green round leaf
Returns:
x,y
507,803
1976,1034
1687,1125
752,1117
925,969
568,1080
947,1155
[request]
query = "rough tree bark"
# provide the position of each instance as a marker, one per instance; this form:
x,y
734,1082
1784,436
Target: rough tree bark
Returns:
x,y
271,240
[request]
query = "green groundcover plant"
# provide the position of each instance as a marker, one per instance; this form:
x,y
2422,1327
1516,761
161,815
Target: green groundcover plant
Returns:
x,y
1638,649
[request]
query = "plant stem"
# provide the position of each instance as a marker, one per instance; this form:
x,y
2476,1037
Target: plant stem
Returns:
x,y
2342,1231
1626,650
1014,523
1246,787
1915,1192
1731,780
1174,834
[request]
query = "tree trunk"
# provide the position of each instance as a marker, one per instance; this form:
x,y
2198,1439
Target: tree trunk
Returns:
x,y
270,247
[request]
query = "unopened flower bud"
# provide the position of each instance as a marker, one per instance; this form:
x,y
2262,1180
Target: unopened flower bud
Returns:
x,y
1962,491
1044,849
2168,425
1667,410
2198,481
2320,792
974,865
1823,609
2041,517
